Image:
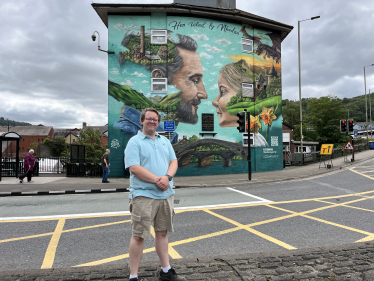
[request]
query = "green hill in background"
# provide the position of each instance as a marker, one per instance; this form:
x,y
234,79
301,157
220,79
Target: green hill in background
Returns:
x,y
5,122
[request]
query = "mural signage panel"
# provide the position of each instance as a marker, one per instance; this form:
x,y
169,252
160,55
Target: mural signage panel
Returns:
x,y
207,122
169,126
204,69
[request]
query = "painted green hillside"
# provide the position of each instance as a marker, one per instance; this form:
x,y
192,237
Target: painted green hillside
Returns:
x,y
127,95
255,109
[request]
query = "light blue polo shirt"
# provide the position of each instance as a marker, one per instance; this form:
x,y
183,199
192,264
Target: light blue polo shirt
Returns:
x,y
154,156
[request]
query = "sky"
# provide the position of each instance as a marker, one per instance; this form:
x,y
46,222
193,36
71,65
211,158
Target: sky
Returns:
x,y
51,72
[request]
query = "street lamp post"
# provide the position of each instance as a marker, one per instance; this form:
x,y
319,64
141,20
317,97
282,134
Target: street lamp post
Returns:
x,y
366,106
371,128
301,111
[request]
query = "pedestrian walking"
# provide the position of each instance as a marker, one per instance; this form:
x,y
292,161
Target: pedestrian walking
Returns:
x,y
105,165
151,160
28,165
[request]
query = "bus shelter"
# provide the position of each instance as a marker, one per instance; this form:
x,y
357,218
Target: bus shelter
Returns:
x,y
9,137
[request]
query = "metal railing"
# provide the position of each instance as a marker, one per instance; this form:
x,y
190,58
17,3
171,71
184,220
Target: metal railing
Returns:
x,y
313,157
42,165
84,170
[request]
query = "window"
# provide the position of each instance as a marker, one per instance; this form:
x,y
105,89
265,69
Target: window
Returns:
x,y
159,84
159,36
247,45
247,90
298,149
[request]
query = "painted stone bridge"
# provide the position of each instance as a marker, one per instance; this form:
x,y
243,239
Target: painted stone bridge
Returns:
x,y
183,151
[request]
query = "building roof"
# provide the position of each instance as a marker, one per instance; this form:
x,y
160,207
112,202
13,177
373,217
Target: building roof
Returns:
x,y
102,129
306,142
230,15
29,130
64,133
288,125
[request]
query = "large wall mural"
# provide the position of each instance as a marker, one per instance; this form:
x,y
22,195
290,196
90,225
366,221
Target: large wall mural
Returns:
x,y
205,67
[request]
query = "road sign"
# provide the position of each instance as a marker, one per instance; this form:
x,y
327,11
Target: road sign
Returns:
x,y
355,132
326,149
348,146
169,126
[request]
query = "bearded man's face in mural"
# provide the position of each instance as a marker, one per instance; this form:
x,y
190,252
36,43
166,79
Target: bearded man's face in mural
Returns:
x,y
226,92
188,79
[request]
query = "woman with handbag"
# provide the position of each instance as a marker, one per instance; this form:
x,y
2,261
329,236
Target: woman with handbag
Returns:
x,y
28,166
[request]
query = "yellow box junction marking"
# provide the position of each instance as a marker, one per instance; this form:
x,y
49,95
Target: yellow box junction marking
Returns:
x,y
172,253
52,247
326,149
48,261
258,233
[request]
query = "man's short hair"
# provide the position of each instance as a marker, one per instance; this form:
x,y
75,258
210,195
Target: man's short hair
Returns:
x,y
168,69
142,115
106,150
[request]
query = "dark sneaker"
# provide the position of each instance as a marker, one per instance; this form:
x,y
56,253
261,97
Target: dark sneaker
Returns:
x,y
20,181
133,279
170,276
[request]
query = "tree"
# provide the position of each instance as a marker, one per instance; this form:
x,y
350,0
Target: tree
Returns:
x,y
291,112
58,146
322,123
91,139
34,146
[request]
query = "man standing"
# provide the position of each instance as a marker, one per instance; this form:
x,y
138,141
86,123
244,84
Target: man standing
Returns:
x,y
152,164
105,166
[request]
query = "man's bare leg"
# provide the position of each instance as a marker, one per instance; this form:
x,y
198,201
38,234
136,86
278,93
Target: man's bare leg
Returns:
x,y
135,254
161,244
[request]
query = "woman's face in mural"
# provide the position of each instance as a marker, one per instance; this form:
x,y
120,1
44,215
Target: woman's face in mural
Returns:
x,y
226,92
188,79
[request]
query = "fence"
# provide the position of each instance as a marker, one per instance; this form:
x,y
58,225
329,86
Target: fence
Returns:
x,y
308,158
84,170
42,165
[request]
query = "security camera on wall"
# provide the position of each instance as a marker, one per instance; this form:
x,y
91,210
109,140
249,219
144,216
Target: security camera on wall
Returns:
x,y
93,37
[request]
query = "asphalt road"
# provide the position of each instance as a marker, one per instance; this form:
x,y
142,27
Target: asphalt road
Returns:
x,y
91,229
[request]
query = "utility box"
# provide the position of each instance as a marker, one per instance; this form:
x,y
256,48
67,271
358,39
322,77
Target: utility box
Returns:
x,y
297,157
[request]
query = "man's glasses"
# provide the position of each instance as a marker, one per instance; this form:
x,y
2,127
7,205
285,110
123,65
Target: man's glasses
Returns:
x,y
151,119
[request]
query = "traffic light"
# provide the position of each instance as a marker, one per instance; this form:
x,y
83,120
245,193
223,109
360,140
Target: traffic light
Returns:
x,y
241,121
350,125
343,126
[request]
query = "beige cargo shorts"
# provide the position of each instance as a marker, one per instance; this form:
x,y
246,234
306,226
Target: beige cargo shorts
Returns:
x,y
147,211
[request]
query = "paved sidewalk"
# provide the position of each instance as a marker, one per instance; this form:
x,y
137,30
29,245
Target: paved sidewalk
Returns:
x,y
58,185
348,262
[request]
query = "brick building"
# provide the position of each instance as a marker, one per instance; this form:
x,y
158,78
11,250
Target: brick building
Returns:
x,y
29,134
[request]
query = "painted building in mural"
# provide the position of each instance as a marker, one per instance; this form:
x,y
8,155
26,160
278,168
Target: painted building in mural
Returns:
x,y
198,73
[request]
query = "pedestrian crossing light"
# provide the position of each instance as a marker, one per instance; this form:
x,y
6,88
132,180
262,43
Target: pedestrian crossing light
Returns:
x,y
241,122
350,125
343,126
